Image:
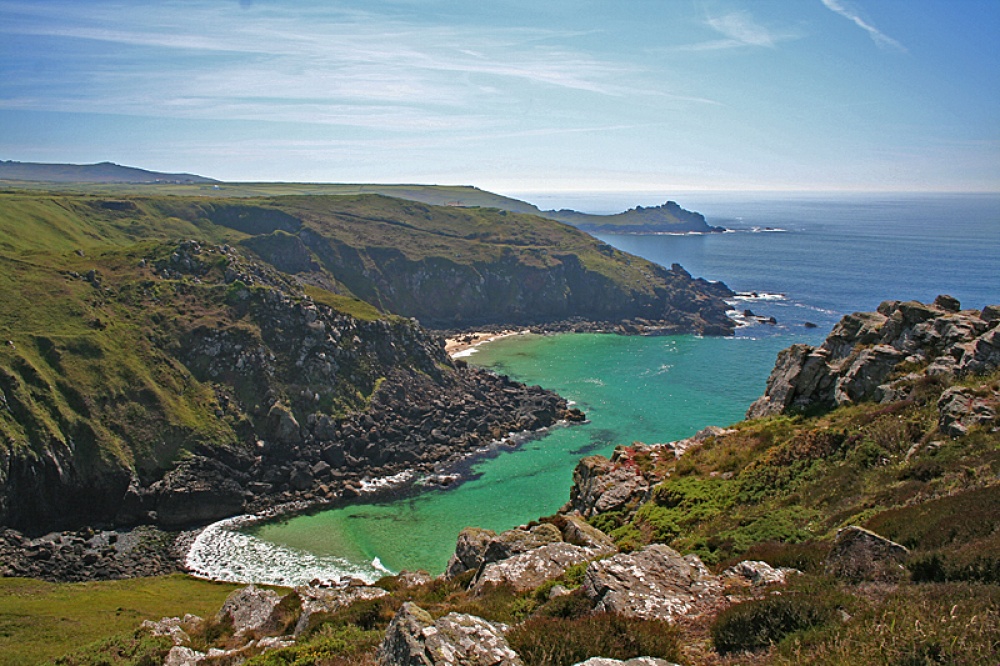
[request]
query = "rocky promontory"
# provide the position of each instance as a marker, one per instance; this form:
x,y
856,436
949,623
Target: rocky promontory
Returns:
x,y
879,355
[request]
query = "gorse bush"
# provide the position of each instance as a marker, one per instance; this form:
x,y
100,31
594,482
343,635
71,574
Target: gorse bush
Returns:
x,y
550,641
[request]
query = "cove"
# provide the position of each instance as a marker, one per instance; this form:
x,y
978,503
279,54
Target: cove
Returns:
x,y
650,389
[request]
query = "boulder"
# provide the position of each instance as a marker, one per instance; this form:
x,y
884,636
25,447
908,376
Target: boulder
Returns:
x,y
638,661
961,408
600,486
415,639
579,532
756,572
251,609
859,554
526,571
469,550
328,600
654,583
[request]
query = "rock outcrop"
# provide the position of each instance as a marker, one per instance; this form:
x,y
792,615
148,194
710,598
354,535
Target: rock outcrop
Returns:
x,y
654,583
414,638
860,357
626,479
859,554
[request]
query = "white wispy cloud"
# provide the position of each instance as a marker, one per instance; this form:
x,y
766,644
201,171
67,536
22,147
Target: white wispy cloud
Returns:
x,y
739,29
880,38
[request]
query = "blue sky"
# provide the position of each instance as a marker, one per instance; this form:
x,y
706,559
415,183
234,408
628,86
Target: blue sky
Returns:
x,y
514,96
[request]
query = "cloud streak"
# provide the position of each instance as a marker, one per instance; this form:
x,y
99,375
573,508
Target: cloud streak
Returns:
x,y
880,38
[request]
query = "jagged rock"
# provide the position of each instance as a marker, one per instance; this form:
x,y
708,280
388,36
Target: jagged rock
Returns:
x,y
183,656
654,583
415,639
527,570
860,554
198,491
328,600
174,627
638,661
476,547
758,573
469,550
600,486
512,542
961,408
251,609
865,348
579,532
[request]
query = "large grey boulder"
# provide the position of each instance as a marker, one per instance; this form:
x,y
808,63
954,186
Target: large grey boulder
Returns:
x,y
526,571
859,554
252,609
414,638
654,583
469,550
638,661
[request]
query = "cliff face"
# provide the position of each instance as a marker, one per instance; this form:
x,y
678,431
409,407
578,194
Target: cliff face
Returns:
x,y
874,355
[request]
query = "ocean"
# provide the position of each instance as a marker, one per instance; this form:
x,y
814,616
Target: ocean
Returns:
x,y
801,258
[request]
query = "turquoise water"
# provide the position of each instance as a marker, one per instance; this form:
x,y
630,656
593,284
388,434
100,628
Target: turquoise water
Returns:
x,y
832,257
645,389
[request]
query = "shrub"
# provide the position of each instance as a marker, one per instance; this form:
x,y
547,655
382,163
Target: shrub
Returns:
x,y
755,625
549,641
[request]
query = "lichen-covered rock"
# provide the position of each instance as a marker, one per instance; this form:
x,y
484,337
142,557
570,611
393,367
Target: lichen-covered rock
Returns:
x,y
469,549
638,661
600,486
756,572
477,547
859,554
328,600
183,656
961,408
251,609
654,583
174,627
415,639
865,348
526,571
579,532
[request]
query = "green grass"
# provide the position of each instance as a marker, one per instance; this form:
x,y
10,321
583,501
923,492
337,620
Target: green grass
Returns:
x,y
40,621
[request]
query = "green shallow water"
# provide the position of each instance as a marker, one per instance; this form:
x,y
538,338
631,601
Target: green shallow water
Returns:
x,y
653,389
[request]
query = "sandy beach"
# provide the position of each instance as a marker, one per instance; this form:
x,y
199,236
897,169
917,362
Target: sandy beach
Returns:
x,y
461,345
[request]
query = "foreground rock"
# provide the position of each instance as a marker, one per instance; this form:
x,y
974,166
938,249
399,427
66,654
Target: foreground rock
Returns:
x,y
526,557
655,583
864,350
414,638
859,554
626,479
638,661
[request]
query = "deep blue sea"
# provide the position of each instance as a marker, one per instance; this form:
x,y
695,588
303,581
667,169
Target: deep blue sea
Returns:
x,y
801,258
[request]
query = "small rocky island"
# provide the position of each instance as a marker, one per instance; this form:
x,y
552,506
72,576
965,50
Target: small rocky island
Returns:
x,y
862,488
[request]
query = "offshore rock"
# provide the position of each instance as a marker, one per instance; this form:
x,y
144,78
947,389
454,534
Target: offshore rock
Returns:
x,y
415,639
654,583
859,554
857,361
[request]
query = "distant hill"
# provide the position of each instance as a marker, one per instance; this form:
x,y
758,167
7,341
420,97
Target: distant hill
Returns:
x,y
667,218
104,172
